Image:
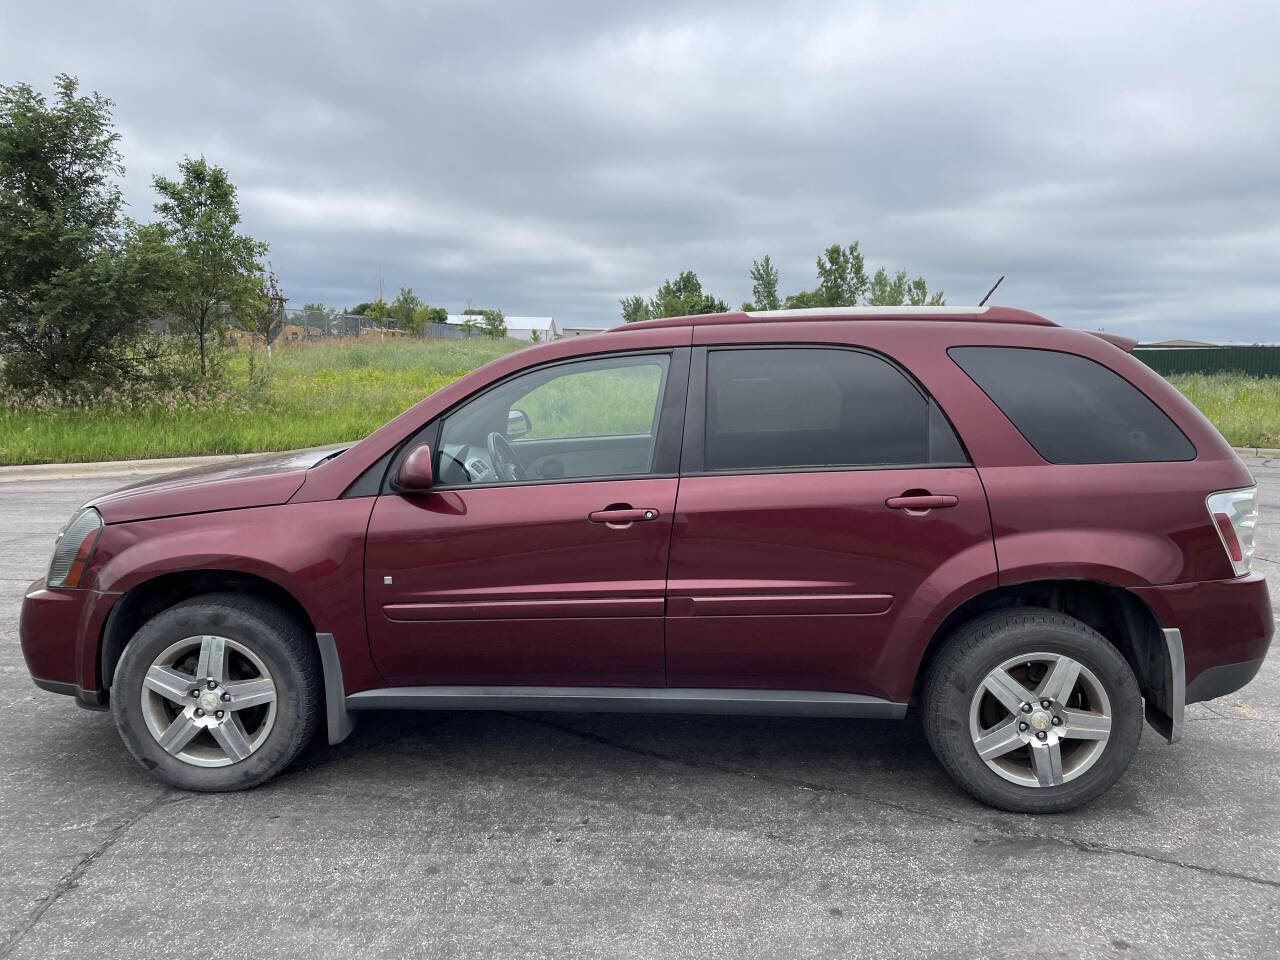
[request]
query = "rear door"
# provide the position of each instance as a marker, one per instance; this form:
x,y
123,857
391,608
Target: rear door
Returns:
x,y
824,503
549,574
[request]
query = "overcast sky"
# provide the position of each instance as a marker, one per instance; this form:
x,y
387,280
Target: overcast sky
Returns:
x,y
1120,162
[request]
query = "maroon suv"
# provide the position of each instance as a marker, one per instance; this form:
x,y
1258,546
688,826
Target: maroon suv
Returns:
x,y
822,512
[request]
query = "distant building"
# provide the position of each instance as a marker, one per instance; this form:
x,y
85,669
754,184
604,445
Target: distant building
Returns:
x,y
521,328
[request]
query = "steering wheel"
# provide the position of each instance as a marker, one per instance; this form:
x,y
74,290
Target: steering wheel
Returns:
x,y
504,460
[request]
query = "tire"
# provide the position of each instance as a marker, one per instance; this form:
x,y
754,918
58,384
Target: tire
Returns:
x,y
266,692
968,703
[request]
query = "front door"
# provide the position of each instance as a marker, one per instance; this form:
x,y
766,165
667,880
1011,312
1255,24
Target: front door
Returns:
x,y
540,556
825,509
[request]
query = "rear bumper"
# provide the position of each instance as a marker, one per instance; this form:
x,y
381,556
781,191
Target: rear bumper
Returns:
x,y
1226,628
59,631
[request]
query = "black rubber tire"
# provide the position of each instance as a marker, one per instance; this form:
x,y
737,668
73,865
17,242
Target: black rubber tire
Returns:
x,y
274,636
977,648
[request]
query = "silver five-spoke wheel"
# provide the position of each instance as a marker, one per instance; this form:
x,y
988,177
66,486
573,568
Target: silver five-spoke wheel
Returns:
x,y
209,701
1040,719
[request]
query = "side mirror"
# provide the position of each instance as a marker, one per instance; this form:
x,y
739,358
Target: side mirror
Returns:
x,y
414,474
518,424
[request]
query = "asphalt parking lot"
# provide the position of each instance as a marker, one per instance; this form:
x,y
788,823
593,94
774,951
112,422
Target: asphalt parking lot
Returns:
x,y
500,835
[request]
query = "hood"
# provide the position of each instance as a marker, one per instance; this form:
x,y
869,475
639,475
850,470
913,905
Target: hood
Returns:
x,y
257,482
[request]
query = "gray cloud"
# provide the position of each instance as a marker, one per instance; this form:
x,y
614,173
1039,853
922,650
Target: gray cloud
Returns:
x,y
1118,162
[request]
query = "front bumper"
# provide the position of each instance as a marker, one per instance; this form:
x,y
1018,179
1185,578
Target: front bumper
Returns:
x,y
60,632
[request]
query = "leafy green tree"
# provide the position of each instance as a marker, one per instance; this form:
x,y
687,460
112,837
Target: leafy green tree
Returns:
x,y
78,283
680,297
842,279
634,309
764,285
493,324
404,306
843,282
897,291
535,336
264,318
215,270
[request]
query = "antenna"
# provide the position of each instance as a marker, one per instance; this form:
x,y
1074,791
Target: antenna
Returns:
x,y
983,301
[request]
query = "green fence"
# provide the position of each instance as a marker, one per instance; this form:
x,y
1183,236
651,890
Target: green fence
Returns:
x,y
1256,361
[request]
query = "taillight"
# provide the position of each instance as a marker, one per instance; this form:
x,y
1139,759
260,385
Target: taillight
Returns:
x,y
74,548
1235,515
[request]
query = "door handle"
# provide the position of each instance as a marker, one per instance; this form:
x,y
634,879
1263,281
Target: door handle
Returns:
x,y
922,501
622,515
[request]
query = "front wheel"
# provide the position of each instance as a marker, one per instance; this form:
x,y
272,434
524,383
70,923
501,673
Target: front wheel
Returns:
x,y
1032,711
217,693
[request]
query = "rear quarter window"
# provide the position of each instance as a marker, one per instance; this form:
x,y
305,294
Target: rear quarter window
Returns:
x,y
1073,409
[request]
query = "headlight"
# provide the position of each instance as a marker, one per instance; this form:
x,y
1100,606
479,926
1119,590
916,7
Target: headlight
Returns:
x,y
74,548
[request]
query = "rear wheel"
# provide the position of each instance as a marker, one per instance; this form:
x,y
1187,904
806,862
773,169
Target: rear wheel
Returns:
x,y
217,693
1032,711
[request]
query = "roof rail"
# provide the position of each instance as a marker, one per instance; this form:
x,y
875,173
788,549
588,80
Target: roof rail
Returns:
x,y
974,314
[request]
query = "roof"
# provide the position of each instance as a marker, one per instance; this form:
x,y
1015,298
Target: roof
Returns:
x,y
976,314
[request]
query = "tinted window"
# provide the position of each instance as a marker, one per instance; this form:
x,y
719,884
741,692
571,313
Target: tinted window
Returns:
x,y
1072,409
589,418
801,407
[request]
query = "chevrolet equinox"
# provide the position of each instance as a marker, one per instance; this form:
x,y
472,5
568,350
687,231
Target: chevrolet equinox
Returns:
x,y
825,513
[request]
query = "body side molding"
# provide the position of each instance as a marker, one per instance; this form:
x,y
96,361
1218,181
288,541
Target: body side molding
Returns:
x,y
804,703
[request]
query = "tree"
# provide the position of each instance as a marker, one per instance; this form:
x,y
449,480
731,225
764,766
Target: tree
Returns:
x,y
843,282
634,309
78,283
404,306
535,336
376,311
493,324
842,279
215,269
264,318
899,291
764,285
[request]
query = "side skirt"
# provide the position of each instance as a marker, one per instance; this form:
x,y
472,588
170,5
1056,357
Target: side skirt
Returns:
x,y
799,703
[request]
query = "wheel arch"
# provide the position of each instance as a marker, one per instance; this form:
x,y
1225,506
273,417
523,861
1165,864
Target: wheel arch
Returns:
x,y
152,596
1122,617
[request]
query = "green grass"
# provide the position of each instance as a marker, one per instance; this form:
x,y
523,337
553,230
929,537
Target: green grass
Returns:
x,y
313,395
329,393
1246,410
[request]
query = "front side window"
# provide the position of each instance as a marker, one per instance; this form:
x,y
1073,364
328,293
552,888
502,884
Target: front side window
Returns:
x,y
795,407
588,418
1073,409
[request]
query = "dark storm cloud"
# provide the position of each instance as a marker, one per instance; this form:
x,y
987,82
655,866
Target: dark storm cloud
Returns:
x,y
1117,162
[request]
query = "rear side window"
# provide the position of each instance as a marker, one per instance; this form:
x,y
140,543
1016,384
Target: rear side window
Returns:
x,y
1072,409
818,407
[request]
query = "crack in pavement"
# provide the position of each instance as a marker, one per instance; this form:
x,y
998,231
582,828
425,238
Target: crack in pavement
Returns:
x,y
1081,846
71,878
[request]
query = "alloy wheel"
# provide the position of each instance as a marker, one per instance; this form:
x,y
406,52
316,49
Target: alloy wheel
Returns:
x,y
209,701
1040,719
